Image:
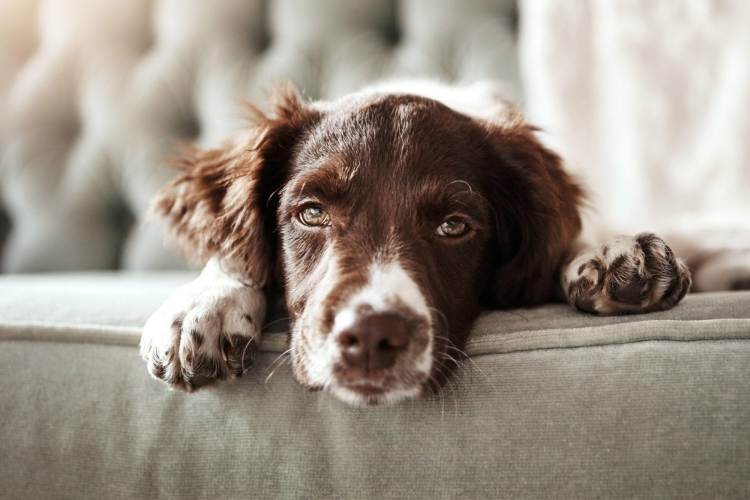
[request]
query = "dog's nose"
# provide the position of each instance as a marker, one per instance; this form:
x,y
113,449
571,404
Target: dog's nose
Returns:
x,y
374,341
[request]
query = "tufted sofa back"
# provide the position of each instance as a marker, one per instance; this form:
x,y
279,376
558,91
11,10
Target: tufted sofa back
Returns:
x,y
94,94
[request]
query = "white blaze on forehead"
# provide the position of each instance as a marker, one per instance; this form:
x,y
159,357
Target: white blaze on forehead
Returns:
x,y
394,396
388,284
483,99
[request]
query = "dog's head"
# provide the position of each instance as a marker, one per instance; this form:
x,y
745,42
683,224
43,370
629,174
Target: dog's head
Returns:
x,y
389,220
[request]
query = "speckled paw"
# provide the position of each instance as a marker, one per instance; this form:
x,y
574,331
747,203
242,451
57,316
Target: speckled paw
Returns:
x,y
626,275
203,333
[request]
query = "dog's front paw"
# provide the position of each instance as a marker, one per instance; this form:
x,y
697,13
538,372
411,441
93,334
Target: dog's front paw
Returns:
x,y
627,275
207,330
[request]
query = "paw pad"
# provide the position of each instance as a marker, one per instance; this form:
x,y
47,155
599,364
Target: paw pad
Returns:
x,y
629,275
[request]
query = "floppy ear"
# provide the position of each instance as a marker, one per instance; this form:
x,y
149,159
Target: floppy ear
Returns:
x,y
537,208
221,204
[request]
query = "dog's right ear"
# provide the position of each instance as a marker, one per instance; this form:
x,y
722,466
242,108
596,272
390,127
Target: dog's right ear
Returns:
x,y
221,204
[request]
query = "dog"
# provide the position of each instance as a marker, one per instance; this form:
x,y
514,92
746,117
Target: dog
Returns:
x,y
387,219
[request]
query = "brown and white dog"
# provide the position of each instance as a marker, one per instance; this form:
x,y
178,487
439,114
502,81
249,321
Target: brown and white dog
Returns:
x,y
389,218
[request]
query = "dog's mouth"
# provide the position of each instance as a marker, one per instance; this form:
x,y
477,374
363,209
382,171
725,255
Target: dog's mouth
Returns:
x,y
371,394
368,391
379,388
405,380
366,388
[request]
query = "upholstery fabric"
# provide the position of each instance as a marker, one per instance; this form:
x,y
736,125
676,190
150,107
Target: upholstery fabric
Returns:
x,y
552,404
94,94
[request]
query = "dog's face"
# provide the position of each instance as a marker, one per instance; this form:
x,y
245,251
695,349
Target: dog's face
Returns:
x,y
385,236
389,221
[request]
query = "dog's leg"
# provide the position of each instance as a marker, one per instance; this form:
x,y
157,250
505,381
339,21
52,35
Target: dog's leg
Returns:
x,y
207,330
719,259
625,275
727,269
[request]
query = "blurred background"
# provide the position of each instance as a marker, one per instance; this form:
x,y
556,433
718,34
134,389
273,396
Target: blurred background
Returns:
x,y
647,101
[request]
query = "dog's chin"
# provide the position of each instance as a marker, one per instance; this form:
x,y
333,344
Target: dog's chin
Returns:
x,y
365,394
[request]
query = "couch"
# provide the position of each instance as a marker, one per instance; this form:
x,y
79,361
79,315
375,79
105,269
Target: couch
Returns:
x,y
550,403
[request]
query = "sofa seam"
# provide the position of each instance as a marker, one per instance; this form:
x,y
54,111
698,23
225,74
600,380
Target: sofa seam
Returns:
x,y
576,328
471,355
606,344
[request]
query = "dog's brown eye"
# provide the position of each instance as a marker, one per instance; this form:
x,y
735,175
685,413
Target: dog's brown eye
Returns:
x,y
314,216
452,228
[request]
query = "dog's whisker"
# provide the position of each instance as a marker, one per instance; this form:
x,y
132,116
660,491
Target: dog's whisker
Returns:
x,y
448,389
473,366
242,358
441,371
442,316
276,321
277,363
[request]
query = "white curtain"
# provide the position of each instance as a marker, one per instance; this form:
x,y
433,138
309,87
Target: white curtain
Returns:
x,y
649,102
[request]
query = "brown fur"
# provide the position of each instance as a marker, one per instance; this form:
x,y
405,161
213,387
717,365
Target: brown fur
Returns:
x,y
538,203
219,204
387,172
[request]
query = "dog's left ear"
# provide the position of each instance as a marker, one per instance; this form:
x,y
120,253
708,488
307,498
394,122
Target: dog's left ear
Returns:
x,y
536,206
223,203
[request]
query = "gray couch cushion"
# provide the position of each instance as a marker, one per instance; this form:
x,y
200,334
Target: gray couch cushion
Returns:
x,y
552,404
95,94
